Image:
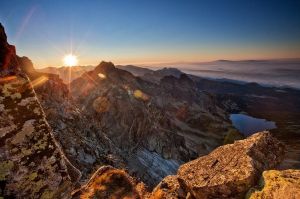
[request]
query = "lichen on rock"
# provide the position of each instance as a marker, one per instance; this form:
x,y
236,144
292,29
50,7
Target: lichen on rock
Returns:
x,y
276,184
32,164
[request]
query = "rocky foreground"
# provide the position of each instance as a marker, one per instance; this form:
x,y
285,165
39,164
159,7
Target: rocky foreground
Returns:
x,y
230,171
33,164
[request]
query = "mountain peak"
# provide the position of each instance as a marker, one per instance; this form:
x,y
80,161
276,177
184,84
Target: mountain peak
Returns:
x,y
3,37
7,53
105,67
170,69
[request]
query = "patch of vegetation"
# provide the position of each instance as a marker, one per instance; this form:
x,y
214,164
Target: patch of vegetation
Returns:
x,y
111,184
5,168
232,135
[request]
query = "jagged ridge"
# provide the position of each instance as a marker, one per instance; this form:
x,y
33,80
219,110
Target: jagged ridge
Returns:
x,y
33,165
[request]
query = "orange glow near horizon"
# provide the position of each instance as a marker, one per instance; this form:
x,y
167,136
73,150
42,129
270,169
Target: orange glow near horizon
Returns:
x,y
153,59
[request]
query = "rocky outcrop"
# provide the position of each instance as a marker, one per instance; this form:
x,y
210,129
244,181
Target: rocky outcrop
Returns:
x,y
32,164
8,58
277,184
84,144
230,170
227,172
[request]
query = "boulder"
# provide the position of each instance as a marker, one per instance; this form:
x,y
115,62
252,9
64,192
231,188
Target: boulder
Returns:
x,y
231,170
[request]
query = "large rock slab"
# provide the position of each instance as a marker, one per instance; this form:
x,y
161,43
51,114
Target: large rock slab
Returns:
x,y
277,185
230,170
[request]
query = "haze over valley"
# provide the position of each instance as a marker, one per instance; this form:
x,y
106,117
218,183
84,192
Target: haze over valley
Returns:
x,y
278,73
149,99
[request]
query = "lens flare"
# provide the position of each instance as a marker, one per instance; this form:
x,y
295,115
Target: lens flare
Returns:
x,y
39,81
70,60
140,95
102,76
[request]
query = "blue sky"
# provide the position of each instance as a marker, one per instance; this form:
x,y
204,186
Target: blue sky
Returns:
x,y
138,31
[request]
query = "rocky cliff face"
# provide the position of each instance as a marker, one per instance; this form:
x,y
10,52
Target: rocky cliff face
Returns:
x,y
8,61
85,145
32,164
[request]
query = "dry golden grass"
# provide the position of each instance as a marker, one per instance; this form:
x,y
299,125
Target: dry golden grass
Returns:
x,y
111,184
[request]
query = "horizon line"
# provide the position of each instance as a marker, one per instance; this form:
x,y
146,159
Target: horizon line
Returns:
x,y
175,62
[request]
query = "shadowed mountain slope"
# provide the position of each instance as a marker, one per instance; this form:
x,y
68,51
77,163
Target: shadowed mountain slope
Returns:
x,y
152,124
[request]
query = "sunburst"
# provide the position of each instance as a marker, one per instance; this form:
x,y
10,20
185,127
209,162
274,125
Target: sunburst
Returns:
x,y
70,60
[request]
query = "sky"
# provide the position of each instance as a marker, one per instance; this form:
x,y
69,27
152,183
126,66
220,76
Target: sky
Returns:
x,y
153,31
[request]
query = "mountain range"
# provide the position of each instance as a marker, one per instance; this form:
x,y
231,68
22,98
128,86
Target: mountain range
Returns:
x,y
128,132
278,104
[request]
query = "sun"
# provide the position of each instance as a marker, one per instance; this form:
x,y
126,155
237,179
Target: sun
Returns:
x,y
70,60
